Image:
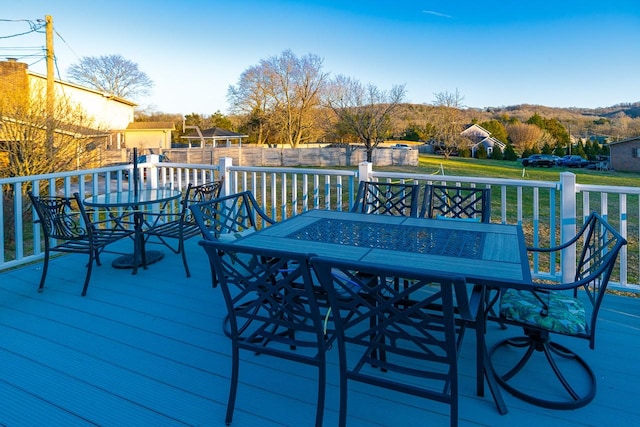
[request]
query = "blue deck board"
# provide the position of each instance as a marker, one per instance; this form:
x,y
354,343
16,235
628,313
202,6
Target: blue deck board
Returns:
x,y
149,350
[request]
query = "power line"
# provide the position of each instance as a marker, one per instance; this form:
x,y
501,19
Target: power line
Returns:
x,y
66,44
34,27
39,52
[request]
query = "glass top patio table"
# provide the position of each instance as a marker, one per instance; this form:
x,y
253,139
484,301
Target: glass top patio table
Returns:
x,y
132,200
127,199
483,253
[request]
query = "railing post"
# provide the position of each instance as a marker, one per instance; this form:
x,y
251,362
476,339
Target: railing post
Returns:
x,y
568,224
364,171
152,171
225,163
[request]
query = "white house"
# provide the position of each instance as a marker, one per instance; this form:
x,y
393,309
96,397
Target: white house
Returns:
x,y
480,136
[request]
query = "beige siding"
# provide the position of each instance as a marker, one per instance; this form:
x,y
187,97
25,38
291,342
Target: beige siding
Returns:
x,y
150,139
107,112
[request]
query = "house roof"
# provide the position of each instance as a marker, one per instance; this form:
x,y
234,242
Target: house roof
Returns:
x,y
215,133
633,138
475,131
151,126
491,142
69,129
86,89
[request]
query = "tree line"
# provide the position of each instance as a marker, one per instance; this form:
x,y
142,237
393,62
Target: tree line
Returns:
x,y
291,100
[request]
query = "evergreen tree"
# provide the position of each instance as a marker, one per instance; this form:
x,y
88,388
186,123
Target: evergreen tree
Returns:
x,y
578,150
510,153
559,150
464,152
546,149
481,152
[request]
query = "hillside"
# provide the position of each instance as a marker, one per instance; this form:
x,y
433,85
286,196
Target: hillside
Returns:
x,y
614,123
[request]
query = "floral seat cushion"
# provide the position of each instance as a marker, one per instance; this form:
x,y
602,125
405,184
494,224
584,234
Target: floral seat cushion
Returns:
x,y
563,314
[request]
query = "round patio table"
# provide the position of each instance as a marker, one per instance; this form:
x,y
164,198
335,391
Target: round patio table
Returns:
x,y
136,202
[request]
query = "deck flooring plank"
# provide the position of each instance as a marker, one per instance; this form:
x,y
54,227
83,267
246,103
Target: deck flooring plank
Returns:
x,y
14,413
149,350
84,371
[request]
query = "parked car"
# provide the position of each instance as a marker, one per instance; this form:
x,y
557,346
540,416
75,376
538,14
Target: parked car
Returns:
x,y
573,161
401,147
539,160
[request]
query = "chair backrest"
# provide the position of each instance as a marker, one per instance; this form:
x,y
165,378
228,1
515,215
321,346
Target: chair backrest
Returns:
x,y
232,214
269,296
408,333
386,198
601,244
198,194
203,192
452,202
597,245
62,218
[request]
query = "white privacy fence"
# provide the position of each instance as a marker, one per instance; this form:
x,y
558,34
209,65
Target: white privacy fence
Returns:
x,y
549,212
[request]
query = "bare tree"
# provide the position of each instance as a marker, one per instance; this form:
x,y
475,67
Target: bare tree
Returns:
x,y
524,136
297,83
24,137
251,99
364,111
112,74
449,121
281,95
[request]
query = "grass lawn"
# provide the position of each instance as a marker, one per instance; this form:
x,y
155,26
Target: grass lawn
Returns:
x,y
487,168
459,166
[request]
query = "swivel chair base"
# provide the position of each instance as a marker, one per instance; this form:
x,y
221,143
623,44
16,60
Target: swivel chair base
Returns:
x,y
539,342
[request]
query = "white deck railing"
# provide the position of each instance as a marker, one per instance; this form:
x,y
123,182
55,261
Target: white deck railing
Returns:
x,y
549,212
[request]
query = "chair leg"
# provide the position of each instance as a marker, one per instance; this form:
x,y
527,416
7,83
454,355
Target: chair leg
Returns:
x,y
184,257
88,276
322,385
490,303
233,390
45,268
542,344
342,420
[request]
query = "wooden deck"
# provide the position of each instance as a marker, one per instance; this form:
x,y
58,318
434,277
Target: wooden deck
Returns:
x,y
149,350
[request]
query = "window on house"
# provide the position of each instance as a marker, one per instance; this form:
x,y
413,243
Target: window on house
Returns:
x,y
635,152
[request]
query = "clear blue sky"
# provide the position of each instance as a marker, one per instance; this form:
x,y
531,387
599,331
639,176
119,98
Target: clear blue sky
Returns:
x,y
561,53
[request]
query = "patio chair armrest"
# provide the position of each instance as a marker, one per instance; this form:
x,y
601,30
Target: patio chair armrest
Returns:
x,y
552,248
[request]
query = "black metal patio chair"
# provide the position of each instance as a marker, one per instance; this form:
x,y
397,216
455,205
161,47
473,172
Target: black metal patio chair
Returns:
x,y
403,340
569,309
459,203
229,217
271,308
386,198
168,225
67,227
453,202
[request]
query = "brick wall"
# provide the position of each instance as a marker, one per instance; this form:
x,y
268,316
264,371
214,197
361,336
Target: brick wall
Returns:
x,y
14,82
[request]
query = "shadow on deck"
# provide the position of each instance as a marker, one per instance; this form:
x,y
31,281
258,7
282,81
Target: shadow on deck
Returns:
x,y
149,350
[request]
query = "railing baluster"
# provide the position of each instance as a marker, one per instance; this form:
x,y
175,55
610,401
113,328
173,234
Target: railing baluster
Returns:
x,y
288,191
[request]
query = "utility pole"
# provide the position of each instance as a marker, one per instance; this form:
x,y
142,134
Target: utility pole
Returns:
x,y
50,85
